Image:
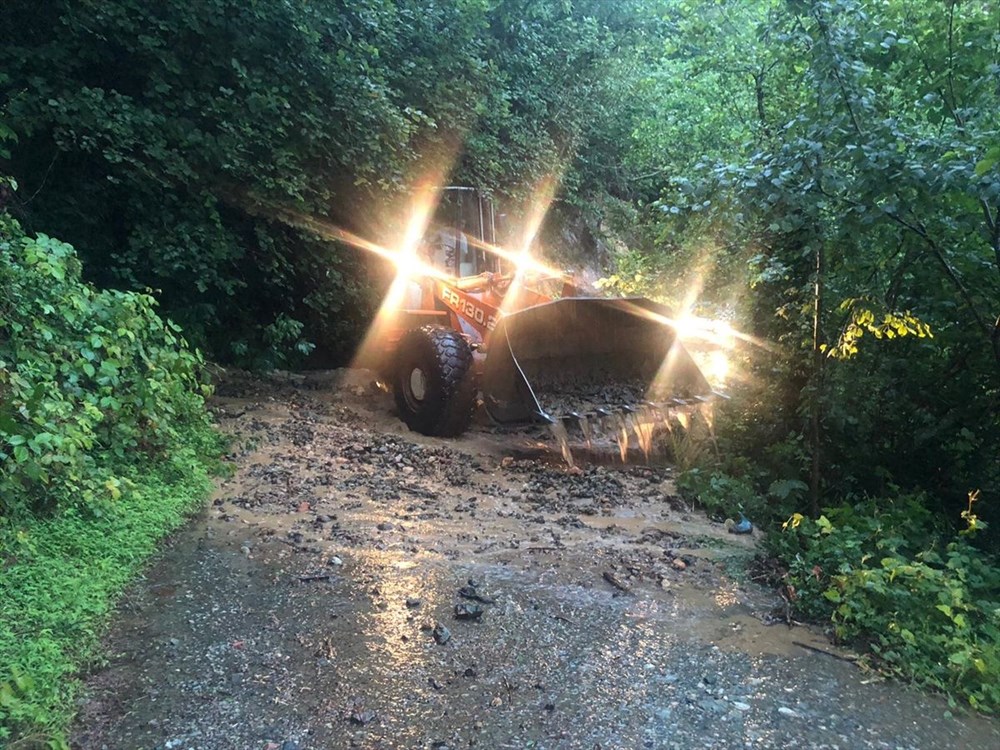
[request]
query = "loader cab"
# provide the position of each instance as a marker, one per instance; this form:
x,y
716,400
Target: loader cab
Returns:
x,y
464,225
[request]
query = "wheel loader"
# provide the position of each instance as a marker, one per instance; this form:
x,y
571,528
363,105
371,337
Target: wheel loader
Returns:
x,y
528,343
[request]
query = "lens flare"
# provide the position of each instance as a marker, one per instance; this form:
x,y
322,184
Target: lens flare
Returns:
x,y
524,264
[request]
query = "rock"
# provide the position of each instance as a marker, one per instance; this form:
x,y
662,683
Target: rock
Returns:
x,y
471,591
441,634
334,560
358,714
678,564
741,706
468,611
413,602
711,705
789,712
289,745
363,717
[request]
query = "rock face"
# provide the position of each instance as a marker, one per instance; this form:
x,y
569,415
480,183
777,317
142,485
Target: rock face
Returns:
x,y
458,594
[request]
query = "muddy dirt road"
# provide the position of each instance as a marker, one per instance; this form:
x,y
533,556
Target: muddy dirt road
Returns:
x,y
354,585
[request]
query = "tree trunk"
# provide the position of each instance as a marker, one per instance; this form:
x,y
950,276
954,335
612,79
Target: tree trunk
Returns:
x,y
815,407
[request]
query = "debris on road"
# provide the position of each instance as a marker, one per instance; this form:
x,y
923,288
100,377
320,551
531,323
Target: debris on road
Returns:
x,y
468,611
356,713
441,634
223,644
617,582
317,577
471,591
743,526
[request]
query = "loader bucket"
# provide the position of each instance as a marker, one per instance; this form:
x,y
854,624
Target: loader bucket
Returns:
x,y
579,356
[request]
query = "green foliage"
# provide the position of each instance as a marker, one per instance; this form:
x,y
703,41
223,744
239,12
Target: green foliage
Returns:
x,y
160,138
926,605
863,320
722,495
62,575
104,445
861,135
89,379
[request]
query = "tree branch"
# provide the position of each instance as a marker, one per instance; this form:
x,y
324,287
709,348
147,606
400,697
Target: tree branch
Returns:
x,y
953,105
836,72
992,228
948,270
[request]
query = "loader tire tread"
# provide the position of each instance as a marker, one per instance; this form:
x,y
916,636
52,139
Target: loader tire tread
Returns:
x,y
446,359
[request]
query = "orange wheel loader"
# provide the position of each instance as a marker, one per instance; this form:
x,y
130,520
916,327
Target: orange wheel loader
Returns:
x,y
526,342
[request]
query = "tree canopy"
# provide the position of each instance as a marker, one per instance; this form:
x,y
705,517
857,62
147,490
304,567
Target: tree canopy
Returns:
x,y
156,137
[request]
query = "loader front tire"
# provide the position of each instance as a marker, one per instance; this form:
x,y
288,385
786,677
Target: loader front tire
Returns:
x,y
434,383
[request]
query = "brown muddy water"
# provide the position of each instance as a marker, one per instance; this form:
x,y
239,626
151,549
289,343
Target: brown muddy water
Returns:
x,y
354,585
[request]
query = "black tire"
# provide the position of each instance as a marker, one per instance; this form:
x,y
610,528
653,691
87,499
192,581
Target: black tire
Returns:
x,y
434,382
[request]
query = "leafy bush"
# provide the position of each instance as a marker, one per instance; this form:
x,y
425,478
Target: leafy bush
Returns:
x,y
927,606
105,444
722,495
164,154
88,380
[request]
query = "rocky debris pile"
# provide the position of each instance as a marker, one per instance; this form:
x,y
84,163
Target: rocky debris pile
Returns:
x,y
594,490
578,396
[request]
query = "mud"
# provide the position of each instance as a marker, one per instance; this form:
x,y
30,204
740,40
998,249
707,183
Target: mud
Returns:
x,y
354,585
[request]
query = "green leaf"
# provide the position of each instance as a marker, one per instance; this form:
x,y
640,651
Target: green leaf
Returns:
x,y
987,163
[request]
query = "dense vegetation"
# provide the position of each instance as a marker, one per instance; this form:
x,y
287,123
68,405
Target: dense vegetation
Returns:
x,y
104,445
825,175
842,206
158,138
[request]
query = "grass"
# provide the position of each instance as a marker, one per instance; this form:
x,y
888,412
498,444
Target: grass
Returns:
x,y
60,578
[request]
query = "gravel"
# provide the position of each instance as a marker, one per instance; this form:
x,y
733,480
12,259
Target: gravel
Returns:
x,y
586,608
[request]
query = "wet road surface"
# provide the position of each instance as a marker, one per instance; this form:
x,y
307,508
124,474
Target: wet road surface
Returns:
x,y
353,585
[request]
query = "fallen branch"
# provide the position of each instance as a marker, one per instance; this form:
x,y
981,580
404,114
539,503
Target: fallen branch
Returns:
x,y
617,582
848,658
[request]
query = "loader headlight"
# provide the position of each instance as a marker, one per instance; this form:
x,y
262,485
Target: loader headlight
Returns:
x,y
709,342
717,368
407,264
